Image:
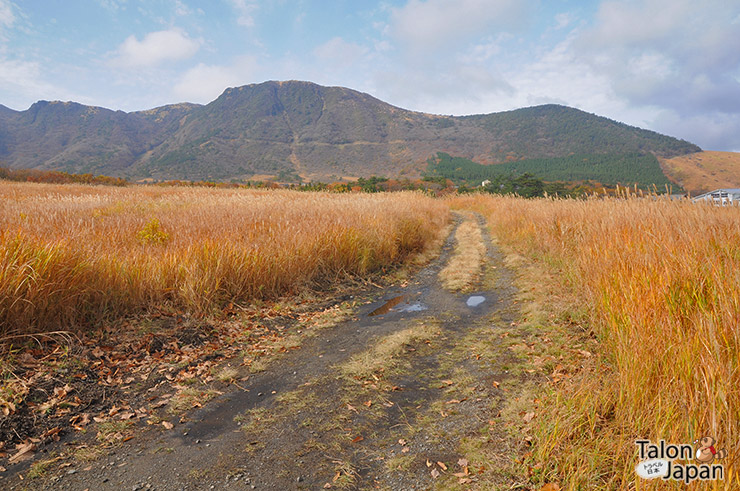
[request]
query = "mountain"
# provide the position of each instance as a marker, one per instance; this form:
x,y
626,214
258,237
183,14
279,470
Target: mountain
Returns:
x,y
300,129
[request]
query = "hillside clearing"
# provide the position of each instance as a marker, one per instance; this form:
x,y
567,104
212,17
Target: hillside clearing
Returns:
x,y
704,171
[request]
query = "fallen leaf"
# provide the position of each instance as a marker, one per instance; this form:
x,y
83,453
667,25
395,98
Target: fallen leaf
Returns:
x,y
52,433
442,465
358,439
126,415
327,486
496,384
429,464
405,450
435,473
462,462
167,425
368,403
401,441
528,417
61,392
464,480
25,451
160,403
351,407
80,420
551,486
448,382
8,408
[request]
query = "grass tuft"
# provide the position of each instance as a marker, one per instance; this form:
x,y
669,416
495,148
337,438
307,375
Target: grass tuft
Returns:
x,y
384,354
464,268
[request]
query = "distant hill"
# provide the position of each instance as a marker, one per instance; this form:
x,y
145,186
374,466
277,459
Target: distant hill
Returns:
x,y
301,129
704,171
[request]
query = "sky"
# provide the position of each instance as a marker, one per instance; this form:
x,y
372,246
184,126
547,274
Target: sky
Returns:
x,y
672,66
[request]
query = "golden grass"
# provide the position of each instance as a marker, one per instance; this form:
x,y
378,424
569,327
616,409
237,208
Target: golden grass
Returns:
x,y
464,266
72,256
660,282
704,171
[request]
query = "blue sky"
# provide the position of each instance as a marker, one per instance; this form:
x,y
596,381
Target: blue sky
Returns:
x,y
672,66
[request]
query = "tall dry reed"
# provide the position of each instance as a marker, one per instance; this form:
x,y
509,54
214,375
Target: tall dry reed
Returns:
x,y
661,280
72,256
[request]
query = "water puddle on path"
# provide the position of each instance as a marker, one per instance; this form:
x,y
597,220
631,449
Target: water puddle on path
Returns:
x,y
475,300
412,307
386,307
393,302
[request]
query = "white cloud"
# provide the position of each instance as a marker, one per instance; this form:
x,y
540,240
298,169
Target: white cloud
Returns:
x,y
7,18
6,14
458,89
181,9
112,5
203,83
424,26
563,20
155,48
24,80
245,11
712,130
483,51
340,52
657,51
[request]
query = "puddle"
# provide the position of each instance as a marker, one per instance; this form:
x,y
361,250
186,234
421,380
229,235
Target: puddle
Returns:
x,y
386,307
475,300
413,307
392,305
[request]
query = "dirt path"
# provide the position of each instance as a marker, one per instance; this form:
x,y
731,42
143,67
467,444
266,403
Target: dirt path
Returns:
x,y
405,398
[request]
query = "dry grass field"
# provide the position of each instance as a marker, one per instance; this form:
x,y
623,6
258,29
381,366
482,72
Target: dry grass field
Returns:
x,y
72,256
647,291
657,283
704,171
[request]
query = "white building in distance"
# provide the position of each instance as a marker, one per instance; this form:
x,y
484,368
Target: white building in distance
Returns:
x,y
720,197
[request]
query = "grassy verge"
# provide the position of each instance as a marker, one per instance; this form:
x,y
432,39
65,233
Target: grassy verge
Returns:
x,y
653,283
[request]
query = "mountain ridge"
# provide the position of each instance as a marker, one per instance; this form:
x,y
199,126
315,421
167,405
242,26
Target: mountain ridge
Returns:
x,y
300,128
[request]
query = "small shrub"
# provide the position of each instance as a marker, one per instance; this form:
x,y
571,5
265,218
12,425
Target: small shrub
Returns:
x,y
152,233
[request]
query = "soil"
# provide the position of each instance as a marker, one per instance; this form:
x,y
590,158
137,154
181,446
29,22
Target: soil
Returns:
x,y
428,417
